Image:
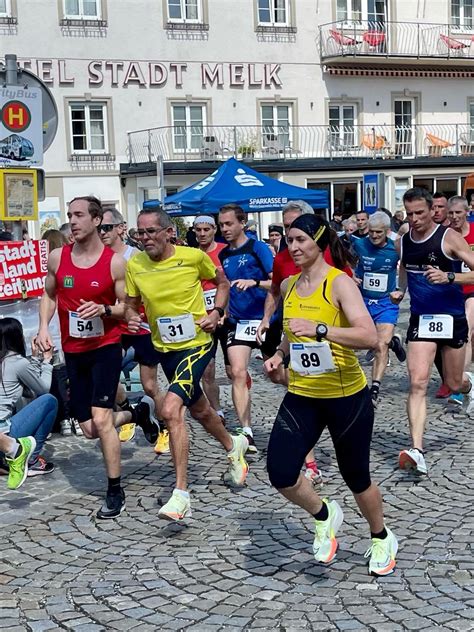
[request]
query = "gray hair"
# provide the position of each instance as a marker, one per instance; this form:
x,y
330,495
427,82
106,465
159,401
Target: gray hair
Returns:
x,y
164,220
458,199
348,222
298,205
379,218
116,215
65,229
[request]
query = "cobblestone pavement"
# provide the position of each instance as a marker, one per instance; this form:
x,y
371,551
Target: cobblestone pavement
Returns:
x,y
244,560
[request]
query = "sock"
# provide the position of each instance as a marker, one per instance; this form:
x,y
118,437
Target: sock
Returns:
x,y
125,405
323,513
220,412
311,465
15,450
420,451
182,492
375,386
380,536
114,485
247,431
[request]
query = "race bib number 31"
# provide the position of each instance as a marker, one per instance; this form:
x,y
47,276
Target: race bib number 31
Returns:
x,y
247,330
82,328
311,358
375,282
435,326
176,328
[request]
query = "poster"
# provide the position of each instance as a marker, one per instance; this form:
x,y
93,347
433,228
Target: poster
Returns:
x,y
370,188
23,267
18,194
49,220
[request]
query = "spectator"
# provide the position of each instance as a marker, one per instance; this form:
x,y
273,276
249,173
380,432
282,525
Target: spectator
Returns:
x,y
251,229
275,238
191,238
65,229
55,238
336,223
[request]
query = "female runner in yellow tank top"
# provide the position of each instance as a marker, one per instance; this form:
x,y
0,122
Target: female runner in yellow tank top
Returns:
x,y
324,319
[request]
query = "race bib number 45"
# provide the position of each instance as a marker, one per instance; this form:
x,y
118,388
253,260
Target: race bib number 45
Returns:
x,y
435,326
247,330
311,358
176,328
82,328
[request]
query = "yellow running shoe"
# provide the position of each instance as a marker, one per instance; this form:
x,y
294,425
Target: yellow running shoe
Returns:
x,y
127,432
162,445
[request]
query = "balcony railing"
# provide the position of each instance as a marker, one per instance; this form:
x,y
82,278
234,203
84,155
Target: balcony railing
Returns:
x,y
209,144
395,39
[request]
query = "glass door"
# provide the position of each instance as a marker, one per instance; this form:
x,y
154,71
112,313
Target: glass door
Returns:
x,y
404,120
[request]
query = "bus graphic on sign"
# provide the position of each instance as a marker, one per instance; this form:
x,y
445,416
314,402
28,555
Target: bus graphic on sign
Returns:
x,y
16,147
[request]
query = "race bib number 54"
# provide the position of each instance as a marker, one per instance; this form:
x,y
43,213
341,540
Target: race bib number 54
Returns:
x,y
82,328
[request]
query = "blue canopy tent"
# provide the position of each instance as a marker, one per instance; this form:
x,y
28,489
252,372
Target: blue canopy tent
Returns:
x,y
237,183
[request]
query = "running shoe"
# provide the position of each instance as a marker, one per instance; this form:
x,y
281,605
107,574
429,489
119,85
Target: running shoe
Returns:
x,y
456,398
325,543
382,554
374,395
443,392
76,427
40,466
66,429
252,449
314,475
412,459
177,507
397,348
127,432
238,467
18,466
143,416
162,445
113,506
369,356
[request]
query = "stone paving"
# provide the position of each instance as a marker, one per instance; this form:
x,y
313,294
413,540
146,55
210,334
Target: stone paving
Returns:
x,y
244,560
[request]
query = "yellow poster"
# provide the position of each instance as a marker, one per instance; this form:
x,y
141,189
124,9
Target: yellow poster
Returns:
x,y
18,194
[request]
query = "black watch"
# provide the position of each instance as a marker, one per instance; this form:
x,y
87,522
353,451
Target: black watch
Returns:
x,y
451,276
107,311
219,310
321,332
257,283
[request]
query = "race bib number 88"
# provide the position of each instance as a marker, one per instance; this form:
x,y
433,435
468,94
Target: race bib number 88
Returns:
x,y
435,326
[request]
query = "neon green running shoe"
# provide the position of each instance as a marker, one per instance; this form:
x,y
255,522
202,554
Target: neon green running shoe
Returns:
x,y
382,555
325,543
18,467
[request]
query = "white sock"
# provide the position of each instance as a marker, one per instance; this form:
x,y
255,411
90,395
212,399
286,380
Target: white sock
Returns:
x,y
11,454
182,493
248,431
220,412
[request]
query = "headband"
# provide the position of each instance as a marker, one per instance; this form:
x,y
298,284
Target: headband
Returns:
x,y
314,226
204,219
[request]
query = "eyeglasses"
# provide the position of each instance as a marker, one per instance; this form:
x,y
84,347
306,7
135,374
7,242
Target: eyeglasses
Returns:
x,y
151,232
106,228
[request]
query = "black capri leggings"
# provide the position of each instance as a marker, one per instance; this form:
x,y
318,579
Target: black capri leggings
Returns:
x,y
301,421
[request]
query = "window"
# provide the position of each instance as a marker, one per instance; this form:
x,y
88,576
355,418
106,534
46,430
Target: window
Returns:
x,y
88,125
276,125
188,126
273,12
374,11
184,11
342,119
5,9
462,14
82,9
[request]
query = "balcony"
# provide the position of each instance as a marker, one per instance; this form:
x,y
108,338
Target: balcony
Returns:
x,y
383,42
299,142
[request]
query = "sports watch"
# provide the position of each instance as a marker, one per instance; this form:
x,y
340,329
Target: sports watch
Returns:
x,y
107,311
451,276
219,310
321,332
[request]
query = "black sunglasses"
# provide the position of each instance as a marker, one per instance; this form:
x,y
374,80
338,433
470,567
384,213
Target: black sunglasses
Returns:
x,y
106,228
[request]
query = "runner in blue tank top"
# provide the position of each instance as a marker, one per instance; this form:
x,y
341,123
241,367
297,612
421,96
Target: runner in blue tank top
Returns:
x,y
376,275
430,257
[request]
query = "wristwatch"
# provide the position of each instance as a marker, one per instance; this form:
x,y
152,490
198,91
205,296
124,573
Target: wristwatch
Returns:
x,y
451,276
321,332
257,283
107,311
219,310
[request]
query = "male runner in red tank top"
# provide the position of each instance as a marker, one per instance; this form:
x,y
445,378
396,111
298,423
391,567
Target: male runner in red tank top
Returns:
x,y
86,279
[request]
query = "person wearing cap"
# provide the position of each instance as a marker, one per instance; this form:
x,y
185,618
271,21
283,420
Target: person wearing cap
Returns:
x,y
275,237
205,229
251,229
325,319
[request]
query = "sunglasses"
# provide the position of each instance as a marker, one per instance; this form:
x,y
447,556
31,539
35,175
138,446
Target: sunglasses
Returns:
x,y
151,232
106,228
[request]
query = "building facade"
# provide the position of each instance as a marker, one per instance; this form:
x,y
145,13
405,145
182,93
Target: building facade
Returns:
x,y
153,94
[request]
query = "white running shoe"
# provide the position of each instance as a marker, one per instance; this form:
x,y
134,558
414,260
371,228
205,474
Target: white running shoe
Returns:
x,y
66,429
325,531
412,459
76,426
177,507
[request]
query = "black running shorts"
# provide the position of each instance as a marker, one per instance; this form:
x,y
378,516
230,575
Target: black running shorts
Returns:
x,y
145,352
460,333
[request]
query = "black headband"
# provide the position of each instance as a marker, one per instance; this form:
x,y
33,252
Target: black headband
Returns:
x,y
316,227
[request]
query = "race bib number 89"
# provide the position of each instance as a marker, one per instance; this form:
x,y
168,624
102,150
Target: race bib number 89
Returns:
x,y
311,359
82,328
435,326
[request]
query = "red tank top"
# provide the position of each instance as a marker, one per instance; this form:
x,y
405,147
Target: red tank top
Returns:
x,y
208,287
91,284
469,289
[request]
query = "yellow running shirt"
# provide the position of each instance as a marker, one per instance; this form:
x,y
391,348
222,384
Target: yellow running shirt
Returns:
x,y
344,375
172,294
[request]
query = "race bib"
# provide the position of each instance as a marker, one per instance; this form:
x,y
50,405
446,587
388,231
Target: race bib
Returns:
x,y
247,330
85,328
435,326
311,358
176,328
465,268
375,282
209,299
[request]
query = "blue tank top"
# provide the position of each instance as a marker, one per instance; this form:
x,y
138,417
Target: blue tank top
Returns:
x,y
426,297
377,267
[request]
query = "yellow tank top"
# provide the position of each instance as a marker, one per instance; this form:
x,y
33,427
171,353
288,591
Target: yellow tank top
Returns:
x,y
347,377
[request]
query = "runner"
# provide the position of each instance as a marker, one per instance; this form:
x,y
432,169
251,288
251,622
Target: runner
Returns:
x,y
376,275
325,318
437,311
86,279
247,264
362,219
167,279
205,229
112,232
